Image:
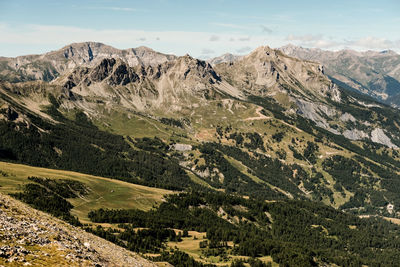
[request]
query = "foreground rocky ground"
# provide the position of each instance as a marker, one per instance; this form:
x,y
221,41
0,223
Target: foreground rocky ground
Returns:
x,y
32,238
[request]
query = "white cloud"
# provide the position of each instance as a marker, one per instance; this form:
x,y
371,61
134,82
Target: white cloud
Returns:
x,y
207,51
244,39
111,8
310,40
304,38
319,41
20,40
214,38
266,29
121,9
231,26
371,42
38,39
244,49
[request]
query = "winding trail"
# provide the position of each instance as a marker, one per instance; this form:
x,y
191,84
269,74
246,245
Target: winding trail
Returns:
x,y
260,116
263,117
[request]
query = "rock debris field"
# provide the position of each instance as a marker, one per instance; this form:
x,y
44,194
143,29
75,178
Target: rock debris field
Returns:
x,y
32,238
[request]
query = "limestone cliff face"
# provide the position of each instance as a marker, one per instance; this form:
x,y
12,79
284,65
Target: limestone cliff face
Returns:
x,y
115,71
267,71
225,58
374,73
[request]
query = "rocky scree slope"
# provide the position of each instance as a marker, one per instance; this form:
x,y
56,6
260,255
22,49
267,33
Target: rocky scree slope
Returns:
x,y
29,237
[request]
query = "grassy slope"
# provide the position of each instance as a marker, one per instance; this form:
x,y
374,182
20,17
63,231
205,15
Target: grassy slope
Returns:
x,y
104,192
192,247
242,117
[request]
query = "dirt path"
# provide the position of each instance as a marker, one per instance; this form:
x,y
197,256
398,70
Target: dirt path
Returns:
x,y
259,117
328,153
152,124
263,117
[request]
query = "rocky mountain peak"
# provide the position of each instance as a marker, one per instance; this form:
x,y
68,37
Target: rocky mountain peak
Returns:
x,y
262,52
388,53
144,49
376,73
51,65
267,71
118,72
113,71
89,47
187,66
228,57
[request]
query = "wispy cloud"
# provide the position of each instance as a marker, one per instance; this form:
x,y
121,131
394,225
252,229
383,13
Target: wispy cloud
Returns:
x,y
371,42
41,38
122,9
310,40
214,38
176,42
247,27
112,8
320,41
207,51
231,26
244,49
304,38
244,39
266,29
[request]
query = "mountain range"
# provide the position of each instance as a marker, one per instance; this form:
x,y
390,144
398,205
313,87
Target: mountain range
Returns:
x,y
288,124
373,73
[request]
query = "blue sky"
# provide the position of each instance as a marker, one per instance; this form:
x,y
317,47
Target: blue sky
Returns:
x,y
201,28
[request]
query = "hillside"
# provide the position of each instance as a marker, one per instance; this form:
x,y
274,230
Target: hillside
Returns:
x,y
265,127
221,229
102,192
374,73
30,237
119,121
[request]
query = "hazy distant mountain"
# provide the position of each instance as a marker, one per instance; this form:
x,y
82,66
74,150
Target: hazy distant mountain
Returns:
x,y
267,71
374,73
224,58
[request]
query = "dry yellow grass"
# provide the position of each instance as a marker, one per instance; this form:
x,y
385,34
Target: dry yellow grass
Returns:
x,y
104,192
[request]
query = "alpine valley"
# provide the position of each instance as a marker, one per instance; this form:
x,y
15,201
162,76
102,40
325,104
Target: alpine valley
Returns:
x,y
264,159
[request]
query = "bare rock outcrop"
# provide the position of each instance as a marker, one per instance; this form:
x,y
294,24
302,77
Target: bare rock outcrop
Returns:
x,y
379,136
